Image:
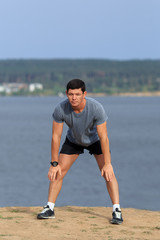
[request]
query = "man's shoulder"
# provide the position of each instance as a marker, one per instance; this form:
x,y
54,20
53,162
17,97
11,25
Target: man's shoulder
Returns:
x,y
93,102
63,107
63,104
96,109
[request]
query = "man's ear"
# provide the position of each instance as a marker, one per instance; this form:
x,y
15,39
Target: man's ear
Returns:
x,y
85,93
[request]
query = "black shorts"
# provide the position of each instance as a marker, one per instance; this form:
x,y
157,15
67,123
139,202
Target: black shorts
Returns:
x,y
72,148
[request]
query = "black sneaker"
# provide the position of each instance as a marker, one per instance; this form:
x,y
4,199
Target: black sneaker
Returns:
x,y
117,216
46,213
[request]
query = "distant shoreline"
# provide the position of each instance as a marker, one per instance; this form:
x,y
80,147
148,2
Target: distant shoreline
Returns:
x,y
127,94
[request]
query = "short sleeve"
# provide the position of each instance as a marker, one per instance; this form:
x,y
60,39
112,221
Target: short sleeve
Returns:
x,y
58,114
101,115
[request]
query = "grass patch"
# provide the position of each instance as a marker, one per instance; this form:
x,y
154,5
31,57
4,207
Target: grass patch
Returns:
x,y
55,226
108,232
83,230
110,238
34,214
99,228
96,229
127,232
18,210
85,211
15,210
90,209
147,232
6,235
69,209
80,222
139,227
59,220
10,218
45,223
157,228
92,217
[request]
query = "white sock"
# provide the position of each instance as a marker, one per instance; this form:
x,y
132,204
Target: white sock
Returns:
x,y
51,205
115,206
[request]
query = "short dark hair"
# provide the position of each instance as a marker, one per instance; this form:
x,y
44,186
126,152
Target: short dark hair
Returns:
x,y
76,84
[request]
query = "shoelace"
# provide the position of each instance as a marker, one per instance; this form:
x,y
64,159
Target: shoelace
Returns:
x,y
45,209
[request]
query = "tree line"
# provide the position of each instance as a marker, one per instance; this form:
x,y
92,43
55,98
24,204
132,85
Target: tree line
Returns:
x,y
100,76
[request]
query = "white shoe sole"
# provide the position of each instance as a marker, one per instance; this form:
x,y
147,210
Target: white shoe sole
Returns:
x,y
114,221
52,217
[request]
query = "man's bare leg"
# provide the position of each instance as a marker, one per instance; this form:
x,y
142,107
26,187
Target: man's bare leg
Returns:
x,y
65,161
112,186
113,191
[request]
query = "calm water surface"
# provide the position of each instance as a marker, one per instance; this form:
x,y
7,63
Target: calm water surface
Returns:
x,y
25,139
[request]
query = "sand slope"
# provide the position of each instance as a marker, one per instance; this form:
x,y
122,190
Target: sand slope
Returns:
x,y
81,223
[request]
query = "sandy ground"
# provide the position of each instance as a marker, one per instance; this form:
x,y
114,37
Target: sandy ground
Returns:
x,y
81,223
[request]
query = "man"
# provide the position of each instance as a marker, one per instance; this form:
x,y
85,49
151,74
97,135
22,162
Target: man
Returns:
x,y
86,120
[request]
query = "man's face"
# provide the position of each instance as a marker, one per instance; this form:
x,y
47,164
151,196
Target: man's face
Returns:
x,y
75,96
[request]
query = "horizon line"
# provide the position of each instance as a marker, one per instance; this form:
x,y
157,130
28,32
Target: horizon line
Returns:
x,y
82,59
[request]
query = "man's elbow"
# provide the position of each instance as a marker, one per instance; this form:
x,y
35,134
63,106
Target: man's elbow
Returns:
x,y
56,138
104,139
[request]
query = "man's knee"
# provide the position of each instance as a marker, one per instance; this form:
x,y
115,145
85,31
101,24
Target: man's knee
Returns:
x,y
113,179
63,173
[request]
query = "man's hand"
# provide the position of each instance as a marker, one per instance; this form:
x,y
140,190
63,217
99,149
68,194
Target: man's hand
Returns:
x,y
107,172
53,172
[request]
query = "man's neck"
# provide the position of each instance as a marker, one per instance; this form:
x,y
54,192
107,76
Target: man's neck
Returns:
x,y
80,108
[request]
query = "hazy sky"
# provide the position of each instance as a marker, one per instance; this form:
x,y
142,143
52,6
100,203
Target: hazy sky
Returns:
x,y
110,29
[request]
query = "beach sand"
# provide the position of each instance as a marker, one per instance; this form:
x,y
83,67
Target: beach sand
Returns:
x,y
81,223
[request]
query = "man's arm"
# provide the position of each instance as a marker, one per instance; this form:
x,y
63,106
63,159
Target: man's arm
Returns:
x,y
107,169
57,130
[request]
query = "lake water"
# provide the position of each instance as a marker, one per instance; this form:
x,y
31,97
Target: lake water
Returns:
x,y
25,140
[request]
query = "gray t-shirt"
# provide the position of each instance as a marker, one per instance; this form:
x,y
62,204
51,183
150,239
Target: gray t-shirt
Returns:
x,y
82,126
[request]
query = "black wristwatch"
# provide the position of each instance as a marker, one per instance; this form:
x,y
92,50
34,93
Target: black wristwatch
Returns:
x,y
54,164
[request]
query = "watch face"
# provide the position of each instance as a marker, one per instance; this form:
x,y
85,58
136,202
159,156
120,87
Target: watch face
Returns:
x,y
54,164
